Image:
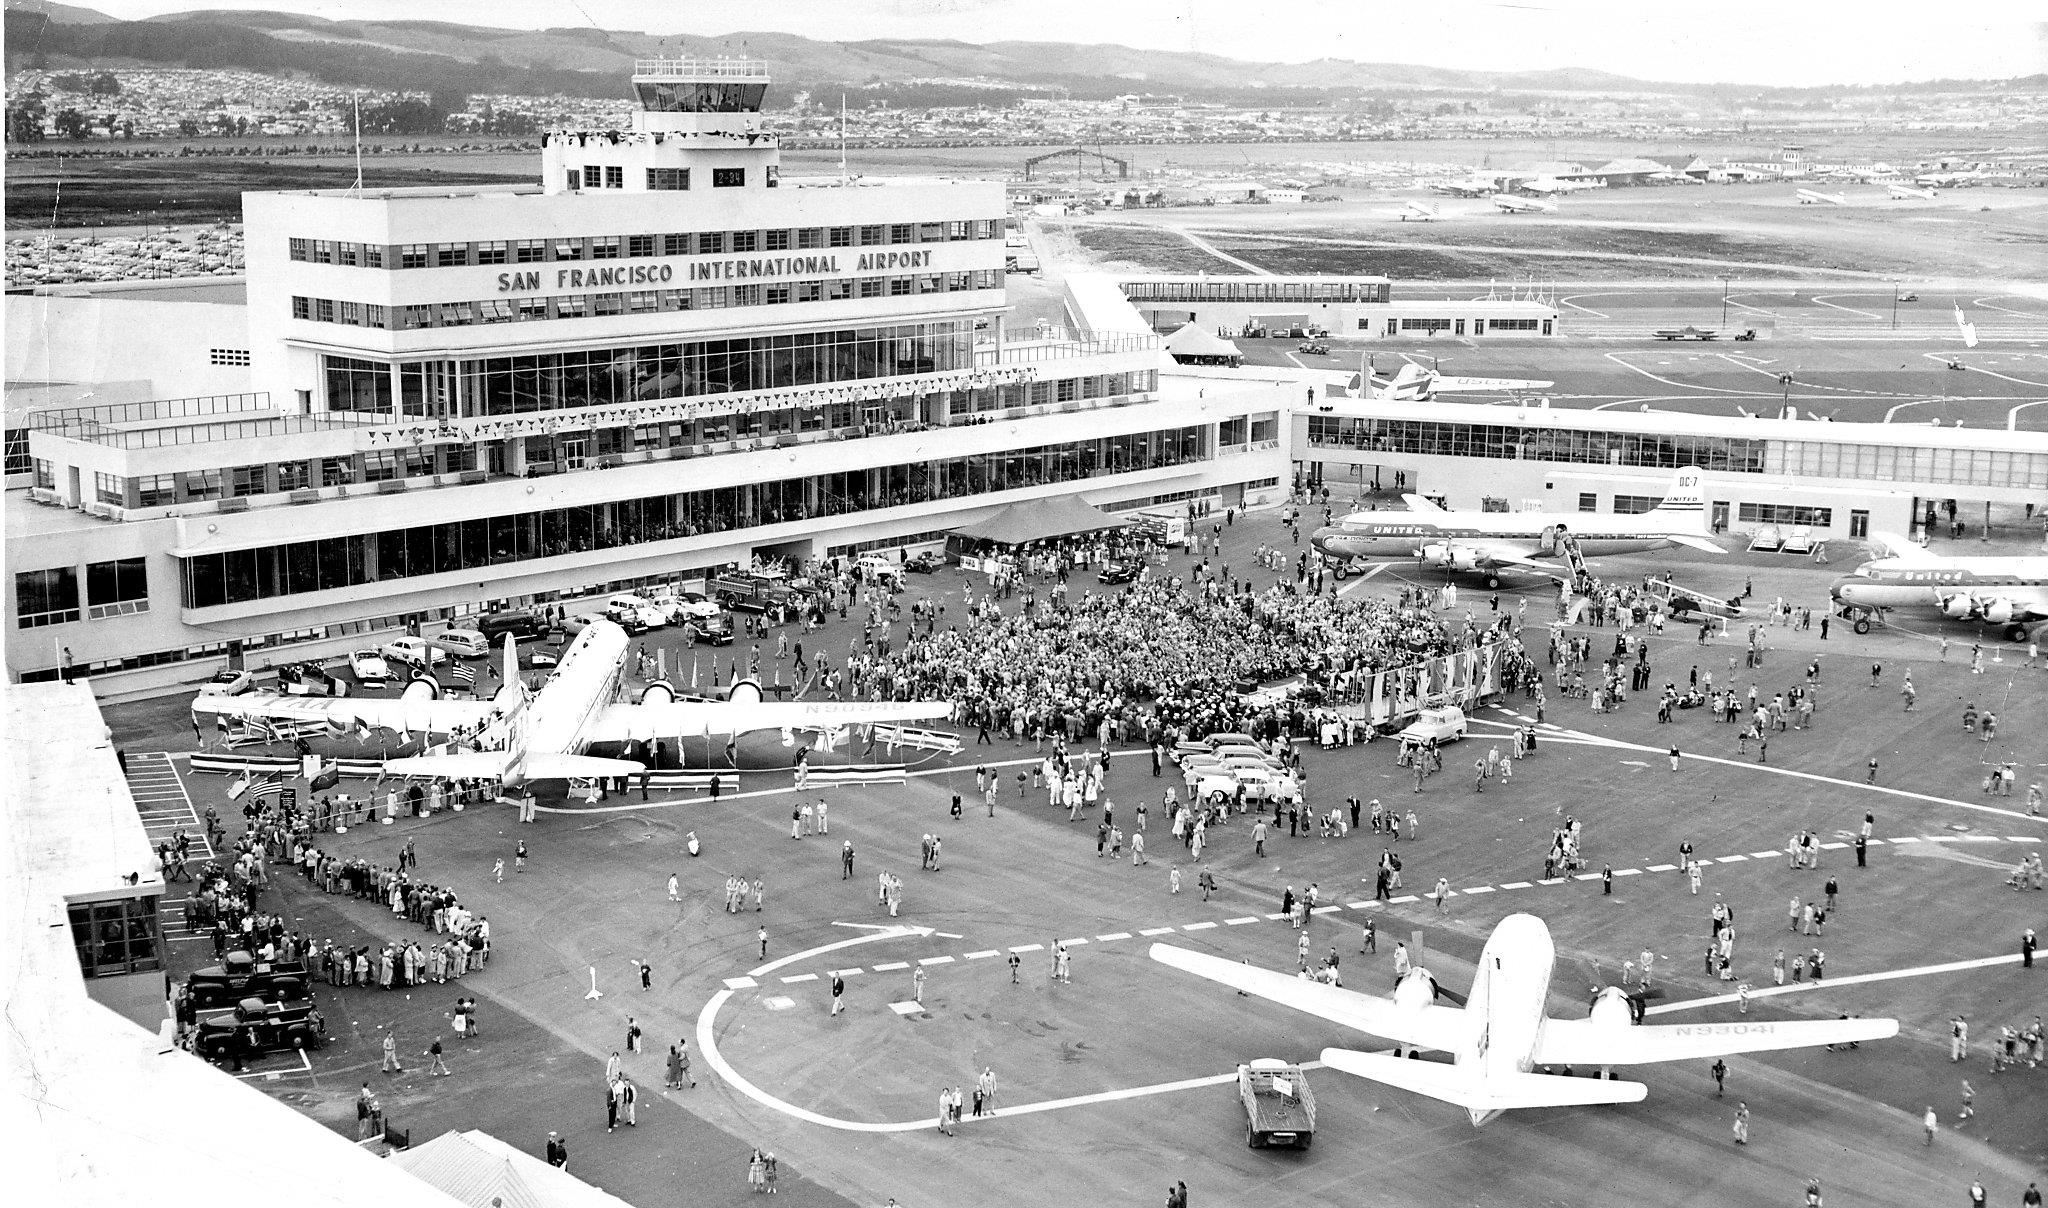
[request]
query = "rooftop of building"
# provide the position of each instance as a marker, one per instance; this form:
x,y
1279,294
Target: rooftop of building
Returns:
x,y
220,291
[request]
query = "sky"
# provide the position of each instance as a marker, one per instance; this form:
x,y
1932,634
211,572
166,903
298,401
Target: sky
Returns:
x,y
1786,42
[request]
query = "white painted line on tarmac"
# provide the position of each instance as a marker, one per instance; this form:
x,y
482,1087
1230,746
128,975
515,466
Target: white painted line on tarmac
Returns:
x,y
1516,885
740,983
1029,948
935,960
1157,931
793,978
1239,922
984,954
892,966
1477,889
1628,872
1765,855
1854,979
1119,935
1200,926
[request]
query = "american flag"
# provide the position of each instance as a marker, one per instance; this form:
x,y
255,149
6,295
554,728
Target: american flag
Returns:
x,y
465,674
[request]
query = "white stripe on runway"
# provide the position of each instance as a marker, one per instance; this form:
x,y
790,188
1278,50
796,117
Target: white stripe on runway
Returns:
x,y
1854,979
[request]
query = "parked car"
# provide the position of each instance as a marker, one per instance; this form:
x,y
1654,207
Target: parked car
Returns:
x,y
1443,724
924,564
229,681
1125,571
635,613
683,605
368,667
1260,784
518,622
241,976
412,652
463,643
877,568
261,1027
714,630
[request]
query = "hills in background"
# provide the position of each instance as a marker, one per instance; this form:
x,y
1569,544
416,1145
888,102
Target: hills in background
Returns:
x,y
445,57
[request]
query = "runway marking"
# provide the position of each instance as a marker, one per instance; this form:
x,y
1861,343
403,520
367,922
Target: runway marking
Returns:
x,y
1628,872
1207,926
1516,885
984,954
1589,310
1765,855
1239,922
1150,931
1822,299
1473,890
1029,948
935,960
1746,306
740,983
1663,867
907,1009
1853,979
794,978
2024,314
1617,359
891,966
1119,935
1078,940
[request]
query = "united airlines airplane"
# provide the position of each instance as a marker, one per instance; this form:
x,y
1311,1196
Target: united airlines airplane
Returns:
x,y
2007,592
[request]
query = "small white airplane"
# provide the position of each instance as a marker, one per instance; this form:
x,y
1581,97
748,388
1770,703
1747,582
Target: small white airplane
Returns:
x,y
1549,185
1509,204
1813,197
1473,186
1413,383
1502,1034
2011,593
1493,542
1937,180
1905,192
1417,212
521,736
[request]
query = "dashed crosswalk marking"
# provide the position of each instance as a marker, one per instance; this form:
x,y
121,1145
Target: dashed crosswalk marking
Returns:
x,y
161,800
739,983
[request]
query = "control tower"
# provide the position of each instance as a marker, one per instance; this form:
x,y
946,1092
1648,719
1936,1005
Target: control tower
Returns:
x,y
698,127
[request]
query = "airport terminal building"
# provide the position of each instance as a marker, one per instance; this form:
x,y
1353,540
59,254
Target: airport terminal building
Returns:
x,y
1364,308
663,358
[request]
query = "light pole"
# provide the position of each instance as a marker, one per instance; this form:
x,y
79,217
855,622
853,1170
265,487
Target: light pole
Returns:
x,y
1895,306
1724,300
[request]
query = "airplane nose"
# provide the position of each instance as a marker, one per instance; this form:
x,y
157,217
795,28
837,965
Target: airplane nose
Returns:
x,y
1320,540
1838,591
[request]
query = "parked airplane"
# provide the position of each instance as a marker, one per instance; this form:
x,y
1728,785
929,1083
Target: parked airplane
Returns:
x,y
1417,212
1492,542
2011,593
1473,186
1413,383
1903,192
521,736
1503,1033
1942,180
1687,332
1809,197
1507,204
1548,185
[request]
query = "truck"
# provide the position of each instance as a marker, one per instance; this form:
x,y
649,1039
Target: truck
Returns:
x,y
1444,723
751,592
1279,1107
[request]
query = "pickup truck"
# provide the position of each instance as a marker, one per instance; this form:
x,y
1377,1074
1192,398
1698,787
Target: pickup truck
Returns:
x,y
263,1027
1279,1107
1443,724
241,976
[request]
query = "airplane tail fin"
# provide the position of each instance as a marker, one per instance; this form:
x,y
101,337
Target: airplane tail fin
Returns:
x,y
1904,549
1687,499
511,668
1483,1096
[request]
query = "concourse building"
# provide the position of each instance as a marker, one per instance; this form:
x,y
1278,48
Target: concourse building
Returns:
x,y
662,358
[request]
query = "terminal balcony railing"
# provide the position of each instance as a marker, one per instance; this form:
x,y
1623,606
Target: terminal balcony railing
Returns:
x,y
724,69
1031,351
152,411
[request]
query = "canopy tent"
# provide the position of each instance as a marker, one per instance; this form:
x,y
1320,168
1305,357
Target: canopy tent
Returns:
x,y
1039,520
484,1172
1192,345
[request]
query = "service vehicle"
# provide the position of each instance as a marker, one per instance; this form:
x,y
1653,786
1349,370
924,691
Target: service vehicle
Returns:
x,y
685,604
228,681
412,652
1684,333
924,563
261,1027
241,976
877,568
752,592
521,624
1279,1106
368,667
1444,724
463,643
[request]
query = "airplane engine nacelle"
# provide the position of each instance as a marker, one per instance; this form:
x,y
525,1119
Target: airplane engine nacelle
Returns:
x,y
1959,606
1998,612
745,692
658,693
422,687
1449,556
1417,989
1611,1009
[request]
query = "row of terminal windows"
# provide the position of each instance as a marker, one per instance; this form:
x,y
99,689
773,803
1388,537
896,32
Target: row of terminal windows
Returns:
x,y
483,311
676,180
461,546
1784,513
1257,291
600,377
1906,463
1727,454
616,247
50,597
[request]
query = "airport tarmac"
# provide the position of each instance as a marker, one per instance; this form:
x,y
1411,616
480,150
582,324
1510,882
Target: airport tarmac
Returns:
x,y
794,1078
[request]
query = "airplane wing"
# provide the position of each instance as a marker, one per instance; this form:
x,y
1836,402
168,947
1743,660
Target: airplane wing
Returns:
x,y
347,712
1477,1092
621,722
1701,543
1584,1042
1481,383
1427,1027
1417,503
